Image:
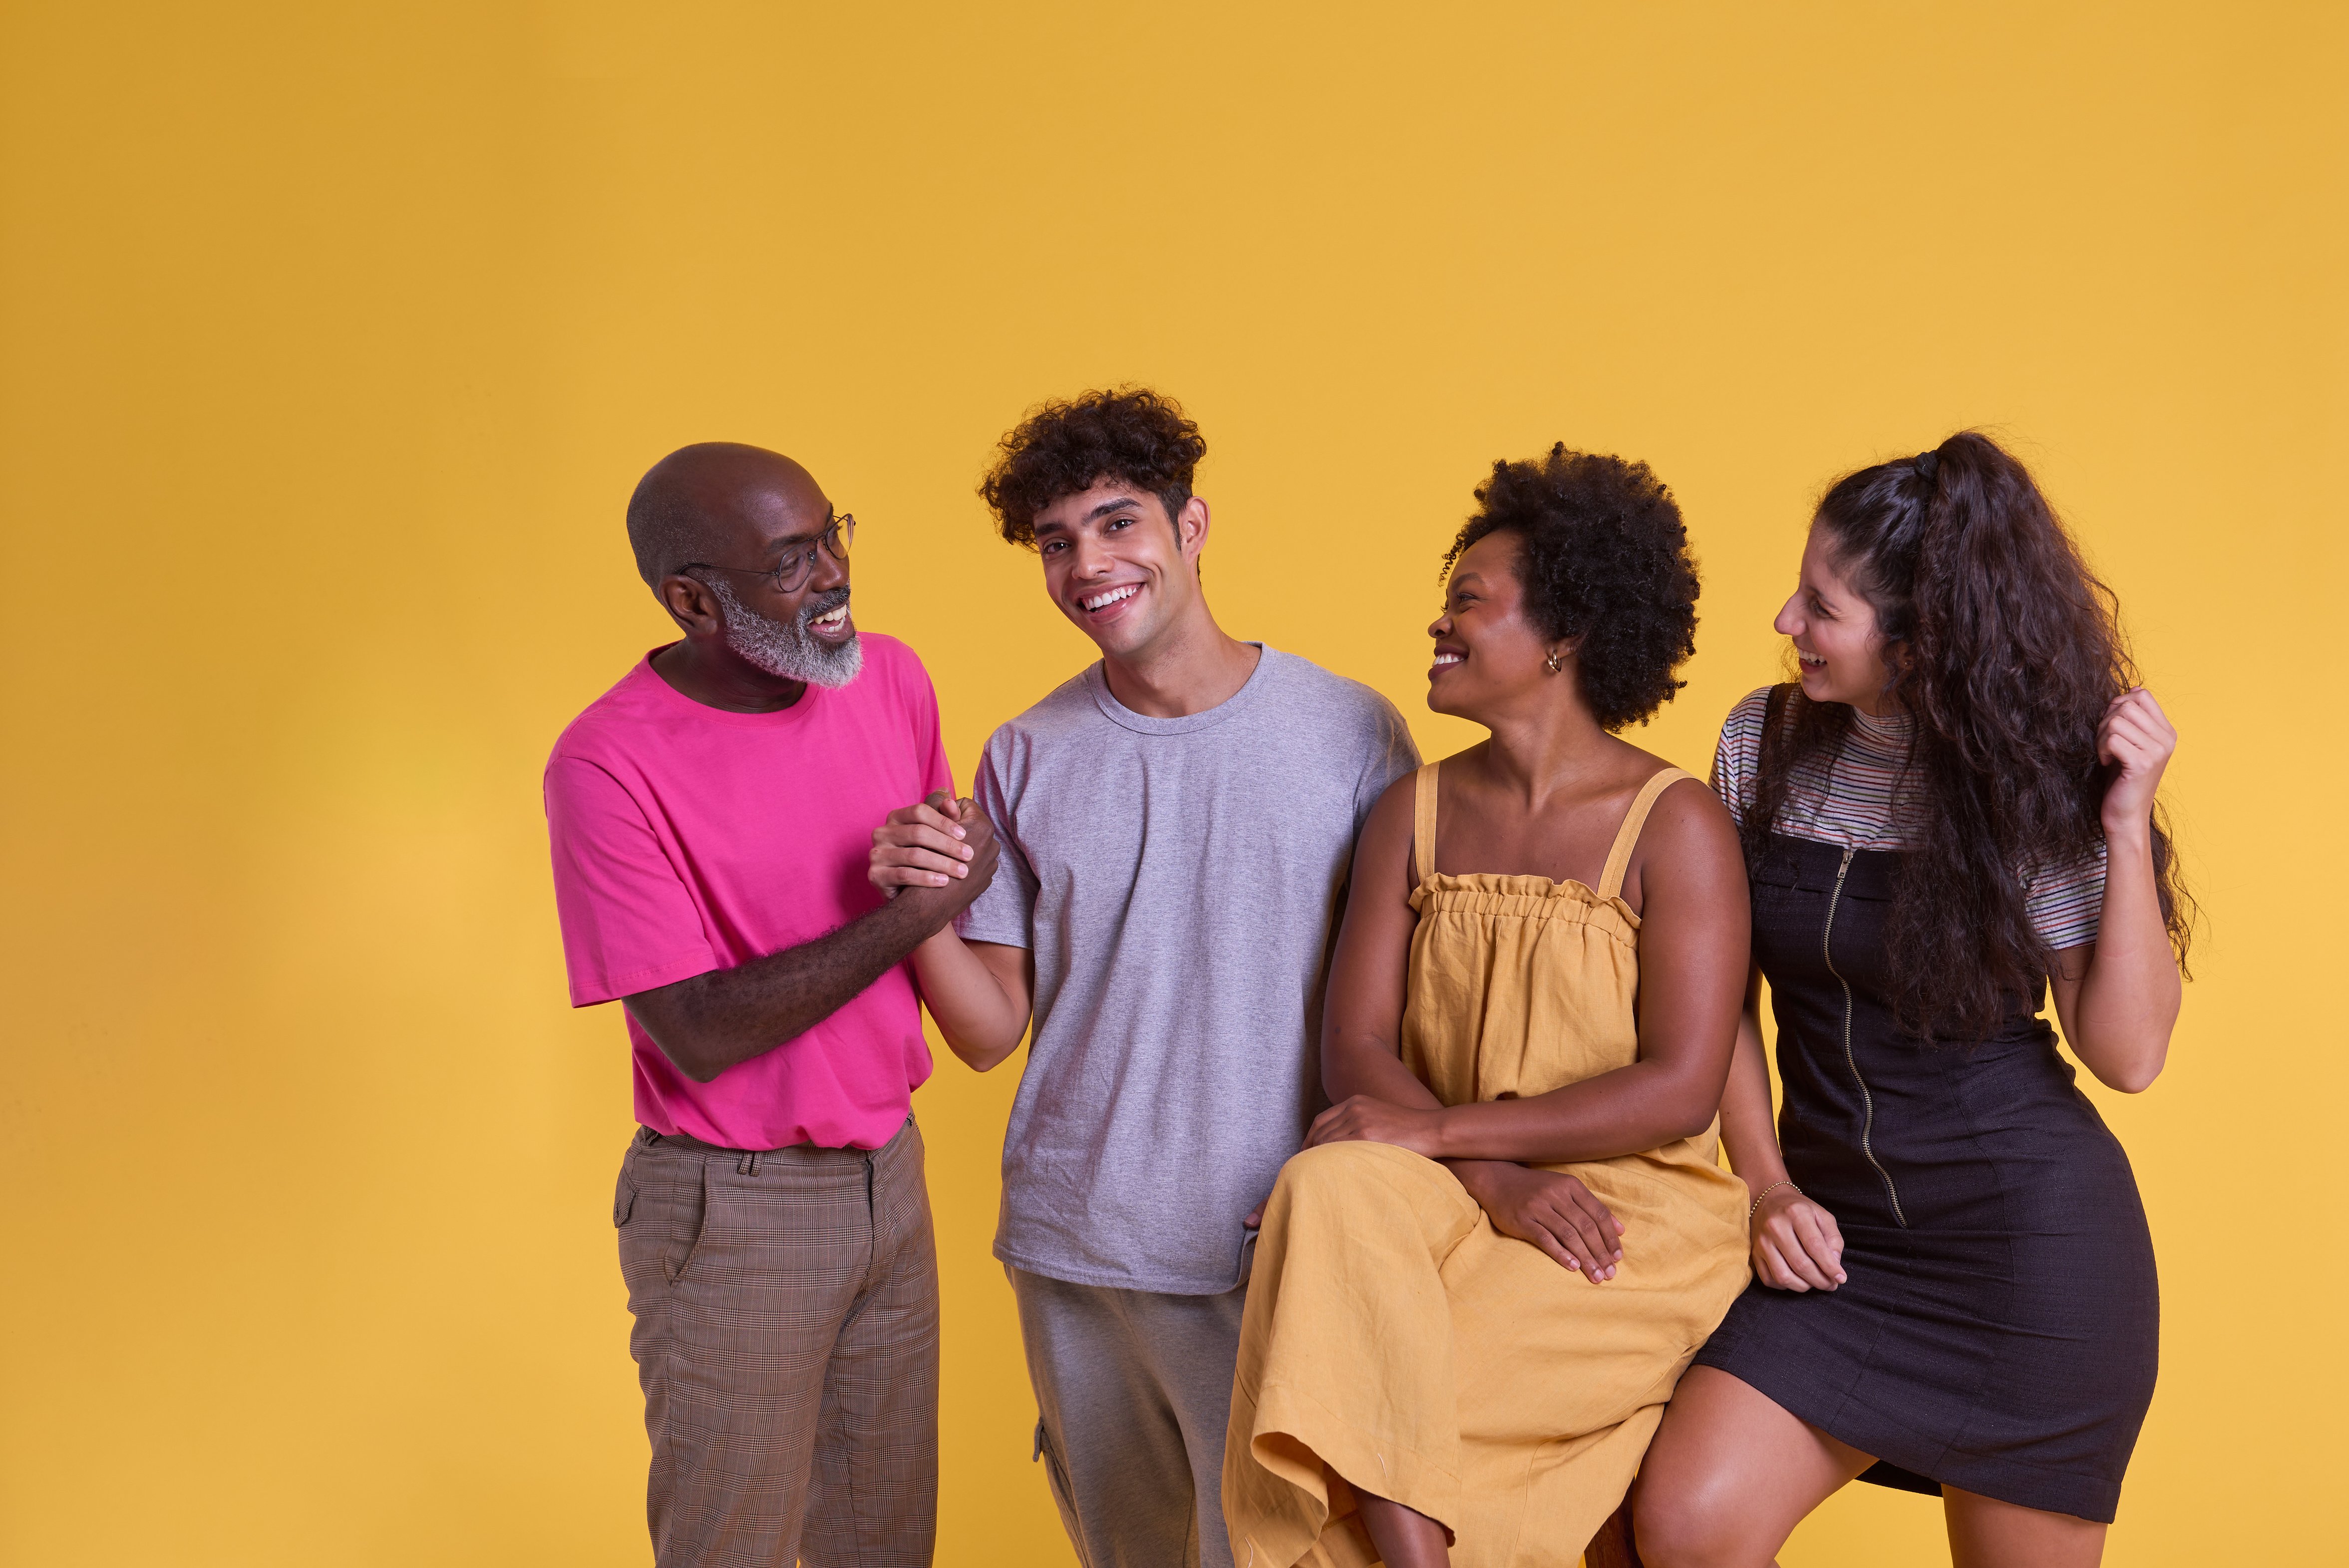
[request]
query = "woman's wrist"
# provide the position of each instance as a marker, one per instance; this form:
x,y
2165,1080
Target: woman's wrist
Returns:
x,y
1447,1134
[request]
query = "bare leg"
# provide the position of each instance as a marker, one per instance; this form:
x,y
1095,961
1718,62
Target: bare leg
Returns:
x,y
1987,1534
1730,1475
1405,1538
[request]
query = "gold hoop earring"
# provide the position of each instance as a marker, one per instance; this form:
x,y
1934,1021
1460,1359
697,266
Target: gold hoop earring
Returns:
x,y
1552,661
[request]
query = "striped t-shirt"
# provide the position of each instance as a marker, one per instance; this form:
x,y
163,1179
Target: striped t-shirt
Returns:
x,y
1853,799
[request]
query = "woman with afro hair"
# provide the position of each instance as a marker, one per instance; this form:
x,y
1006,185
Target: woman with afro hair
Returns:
x,y
1950,814
1477,1285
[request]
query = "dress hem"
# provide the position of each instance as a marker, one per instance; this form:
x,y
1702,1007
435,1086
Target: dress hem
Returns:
x,y
2005,1480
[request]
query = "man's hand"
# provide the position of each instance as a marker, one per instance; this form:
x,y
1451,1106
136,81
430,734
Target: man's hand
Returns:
x,y
1549,1209
941,844
1358,1118
709,1021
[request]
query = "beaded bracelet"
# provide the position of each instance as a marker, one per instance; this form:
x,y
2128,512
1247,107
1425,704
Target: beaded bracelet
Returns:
x,y
1765,1192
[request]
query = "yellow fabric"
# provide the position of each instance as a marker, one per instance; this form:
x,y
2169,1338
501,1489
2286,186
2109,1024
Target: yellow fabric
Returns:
x,y
1394,1339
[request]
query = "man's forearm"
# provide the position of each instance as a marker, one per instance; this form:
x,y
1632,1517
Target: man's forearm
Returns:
x,y
712,1022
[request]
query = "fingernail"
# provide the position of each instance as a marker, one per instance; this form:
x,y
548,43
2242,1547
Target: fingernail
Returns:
x,y
960,834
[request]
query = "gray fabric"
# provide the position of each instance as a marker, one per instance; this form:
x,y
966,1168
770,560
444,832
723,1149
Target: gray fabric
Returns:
x,y
1133,1390
1175,878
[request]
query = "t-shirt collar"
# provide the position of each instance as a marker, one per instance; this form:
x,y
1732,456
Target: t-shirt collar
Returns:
x,y
1116,711
675,702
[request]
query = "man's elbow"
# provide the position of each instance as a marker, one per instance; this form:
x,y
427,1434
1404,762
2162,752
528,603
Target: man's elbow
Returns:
x,y
696,1058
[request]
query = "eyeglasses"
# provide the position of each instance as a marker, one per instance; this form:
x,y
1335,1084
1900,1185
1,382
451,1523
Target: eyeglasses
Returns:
x,y
786,577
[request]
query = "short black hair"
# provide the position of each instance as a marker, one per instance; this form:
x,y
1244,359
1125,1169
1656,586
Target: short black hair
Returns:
x,y
1062,448
665,529
1605,559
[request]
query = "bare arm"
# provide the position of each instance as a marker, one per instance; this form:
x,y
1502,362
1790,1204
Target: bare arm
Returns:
x,y
1748,1127
712,1022
979,992
2118,996
1361,1021
1795,1244
1693,958
1362,1054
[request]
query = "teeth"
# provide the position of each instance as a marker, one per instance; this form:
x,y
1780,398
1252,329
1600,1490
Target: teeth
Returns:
x,y
1811,659
1448,658
1101,601
834,618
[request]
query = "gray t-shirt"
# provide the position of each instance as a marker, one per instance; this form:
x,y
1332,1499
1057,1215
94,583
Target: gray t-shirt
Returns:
x,y
1175,880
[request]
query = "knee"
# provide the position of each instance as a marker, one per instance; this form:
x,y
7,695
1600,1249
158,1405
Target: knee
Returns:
x,y
1333,1183
1333,1172
1683,1527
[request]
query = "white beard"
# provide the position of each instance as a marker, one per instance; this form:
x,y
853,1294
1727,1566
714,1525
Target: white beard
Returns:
x,y
787,650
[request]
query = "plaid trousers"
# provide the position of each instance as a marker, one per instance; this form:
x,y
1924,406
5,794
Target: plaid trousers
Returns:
x,y
786,1335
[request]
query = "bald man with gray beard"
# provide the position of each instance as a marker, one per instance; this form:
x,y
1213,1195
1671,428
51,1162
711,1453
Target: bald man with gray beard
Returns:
x,y
712,817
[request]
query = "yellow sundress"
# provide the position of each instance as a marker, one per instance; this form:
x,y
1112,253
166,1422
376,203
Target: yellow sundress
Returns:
x,y
1394,1338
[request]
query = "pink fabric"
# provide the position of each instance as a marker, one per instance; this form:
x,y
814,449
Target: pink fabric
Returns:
x,y
687,839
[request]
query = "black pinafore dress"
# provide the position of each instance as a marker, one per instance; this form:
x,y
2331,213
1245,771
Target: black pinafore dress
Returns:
x,y
2000,1327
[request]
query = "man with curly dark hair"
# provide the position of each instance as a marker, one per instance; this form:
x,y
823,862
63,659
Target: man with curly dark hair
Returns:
x,y
1180,820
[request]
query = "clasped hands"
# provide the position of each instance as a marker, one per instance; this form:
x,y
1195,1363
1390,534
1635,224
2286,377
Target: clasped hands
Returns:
x,y
1549,1209
941,843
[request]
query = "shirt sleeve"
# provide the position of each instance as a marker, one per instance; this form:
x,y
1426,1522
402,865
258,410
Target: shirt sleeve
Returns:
x,y
2066,903
1738,756
1006,912
1394,753
921,694
628,923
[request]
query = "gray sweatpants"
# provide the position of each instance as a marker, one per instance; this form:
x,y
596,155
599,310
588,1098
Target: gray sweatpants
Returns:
x,y
1133,1390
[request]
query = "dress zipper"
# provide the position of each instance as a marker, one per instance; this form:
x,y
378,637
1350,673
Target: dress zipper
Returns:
x,y
1867,1101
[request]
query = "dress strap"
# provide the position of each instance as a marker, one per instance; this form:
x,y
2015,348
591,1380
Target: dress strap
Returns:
x,y
1610,882
1422,824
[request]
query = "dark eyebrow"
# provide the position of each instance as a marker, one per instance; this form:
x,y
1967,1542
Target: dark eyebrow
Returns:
x,y
1121,503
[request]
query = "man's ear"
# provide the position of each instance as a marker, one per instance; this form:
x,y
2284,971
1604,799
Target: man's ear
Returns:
x,y
1191,527
691,604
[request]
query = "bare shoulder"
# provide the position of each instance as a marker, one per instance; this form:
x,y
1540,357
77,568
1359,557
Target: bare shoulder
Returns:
x,y
1389,820
1688,822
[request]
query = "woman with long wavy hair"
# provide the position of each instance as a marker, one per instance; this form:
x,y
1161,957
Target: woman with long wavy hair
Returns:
x,y
1951,813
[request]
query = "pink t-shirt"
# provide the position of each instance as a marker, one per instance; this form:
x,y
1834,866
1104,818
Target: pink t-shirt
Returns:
x,y
689,839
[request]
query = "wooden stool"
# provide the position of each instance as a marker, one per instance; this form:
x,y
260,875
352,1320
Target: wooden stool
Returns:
x,y
1612,1547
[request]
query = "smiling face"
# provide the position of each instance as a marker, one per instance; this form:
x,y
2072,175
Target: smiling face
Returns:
x,y
1488,651
1834,633
1119,567
804,632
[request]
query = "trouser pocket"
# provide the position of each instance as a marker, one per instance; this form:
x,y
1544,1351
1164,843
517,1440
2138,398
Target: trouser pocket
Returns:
x,y
1063,1495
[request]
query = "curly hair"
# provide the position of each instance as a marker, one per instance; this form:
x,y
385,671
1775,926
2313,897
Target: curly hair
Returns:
x,y
2005,651
1605,560
1131,434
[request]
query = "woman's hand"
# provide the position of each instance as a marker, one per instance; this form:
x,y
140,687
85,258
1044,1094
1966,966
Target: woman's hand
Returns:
x,y
1361,1119
1549,1209
1796,1245
2136,736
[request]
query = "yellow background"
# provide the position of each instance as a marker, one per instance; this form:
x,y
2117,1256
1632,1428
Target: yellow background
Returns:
x,y
332,337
